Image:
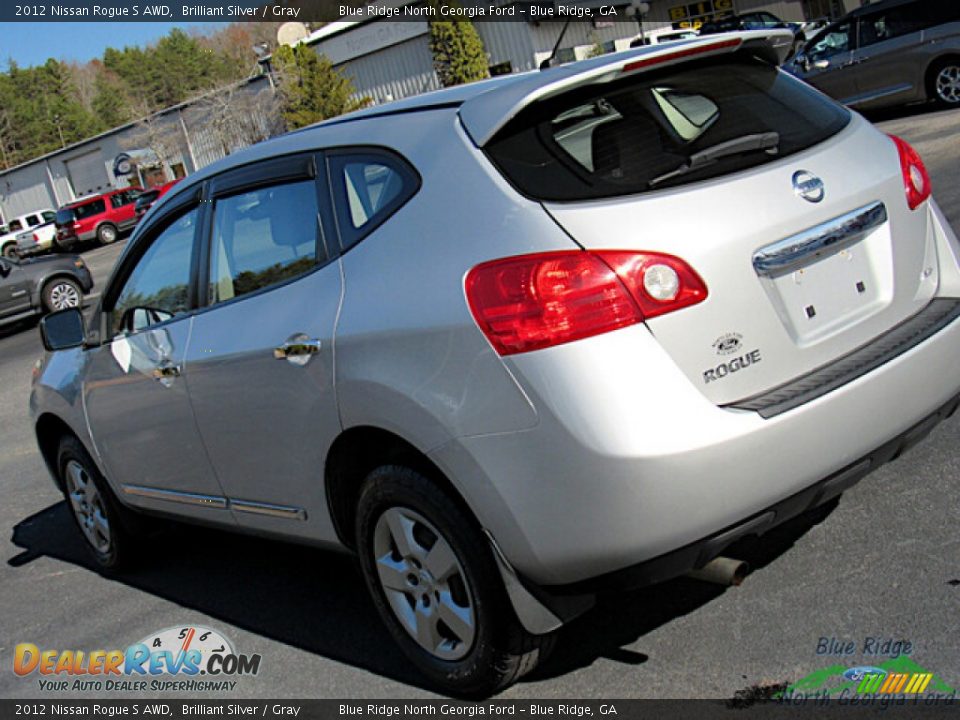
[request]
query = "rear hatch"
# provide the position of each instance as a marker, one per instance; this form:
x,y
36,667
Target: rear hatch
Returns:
x,y
64,221
791,209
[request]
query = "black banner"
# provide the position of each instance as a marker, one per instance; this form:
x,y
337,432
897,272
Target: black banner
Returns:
x,y
314,10
190,709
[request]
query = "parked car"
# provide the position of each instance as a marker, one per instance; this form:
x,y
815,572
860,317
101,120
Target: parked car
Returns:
x,y
48,284
9,232
887,53
553,378
148,197
760,20
38,239
98,217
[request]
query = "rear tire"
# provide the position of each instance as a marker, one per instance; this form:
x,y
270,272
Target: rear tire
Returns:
x,y
10,251
943,84
61,294
438,588
104,524
107,234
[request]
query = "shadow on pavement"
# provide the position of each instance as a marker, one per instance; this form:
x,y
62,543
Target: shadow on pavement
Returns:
x,y
316,601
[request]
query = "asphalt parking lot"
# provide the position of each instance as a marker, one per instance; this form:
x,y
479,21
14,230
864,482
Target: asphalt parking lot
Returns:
x,y
882,563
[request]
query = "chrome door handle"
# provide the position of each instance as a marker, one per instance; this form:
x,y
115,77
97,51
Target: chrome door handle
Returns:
x,y
298,349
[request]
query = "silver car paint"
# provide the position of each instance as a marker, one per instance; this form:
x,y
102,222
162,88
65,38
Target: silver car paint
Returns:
x,y
577,459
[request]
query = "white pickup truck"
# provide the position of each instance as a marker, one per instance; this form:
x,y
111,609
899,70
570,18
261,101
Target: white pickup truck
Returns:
x,y
18,225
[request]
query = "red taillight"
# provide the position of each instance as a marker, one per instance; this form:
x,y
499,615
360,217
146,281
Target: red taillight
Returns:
x,y
530,302
916,180
36,238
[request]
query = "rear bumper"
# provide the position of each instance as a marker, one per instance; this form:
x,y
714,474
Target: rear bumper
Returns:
x,y
632,476
699,553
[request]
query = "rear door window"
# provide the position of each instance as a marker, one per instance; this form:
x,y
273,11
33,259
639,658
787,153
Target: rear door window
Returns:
x,y
896,22
263,237
90,209
658,130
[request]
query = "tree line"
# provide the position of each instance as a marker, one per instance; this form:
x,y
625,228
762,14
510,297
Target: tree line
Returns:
x,y
53,105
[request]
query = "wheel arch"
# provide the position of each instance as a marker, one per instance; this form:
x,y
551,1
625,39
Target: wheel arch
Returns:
x,y
928,73
58,275
50,428
361,449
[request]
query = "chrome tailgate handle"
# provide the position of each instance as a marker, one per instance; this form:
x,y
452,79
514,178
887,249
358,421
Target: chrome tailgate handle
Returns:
x,y
825,239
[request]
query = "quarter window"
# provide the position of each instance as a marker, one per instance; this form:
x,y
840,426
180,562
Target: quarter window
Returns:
x,y
158,288
263,237
369,187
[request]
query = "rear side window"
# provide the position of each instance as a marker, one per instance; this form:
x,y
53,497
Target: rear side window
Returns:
x,y
368,187
48,216
660,130
263,237
90,209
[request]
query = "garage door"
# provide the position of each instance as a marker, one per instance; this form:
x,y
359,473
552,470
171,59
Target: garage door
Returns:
x,y
88,174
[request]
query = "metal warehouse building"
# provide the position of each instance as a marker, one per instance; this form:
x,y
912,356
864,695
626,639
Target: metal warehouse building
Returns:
x,y
186,134
386,60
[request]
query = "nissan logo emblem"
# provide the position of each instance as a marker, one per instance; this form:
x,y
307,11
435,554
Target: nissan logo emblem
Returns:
x,y
808,186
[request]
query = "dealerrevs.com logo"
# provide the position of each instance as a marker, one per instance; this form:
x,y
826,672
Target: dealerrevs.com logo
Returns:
x,y
183,658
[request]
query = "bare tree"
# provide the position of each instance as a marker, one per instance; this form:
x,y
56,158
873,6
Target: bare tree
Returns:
x,y
241,115
159,134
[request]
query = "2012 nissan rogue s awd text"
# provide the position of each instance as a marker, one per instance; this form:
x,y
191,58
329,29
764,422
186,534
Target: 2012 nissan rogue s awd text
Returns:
x,y
519,342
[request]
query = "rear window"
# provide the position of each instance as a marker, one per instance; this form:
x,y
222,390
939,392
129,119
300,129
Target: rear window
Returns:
x,y
660,130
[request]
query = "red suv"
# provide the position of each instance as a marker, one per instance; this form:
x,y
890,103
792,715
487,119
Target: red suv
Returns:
x,y
99,216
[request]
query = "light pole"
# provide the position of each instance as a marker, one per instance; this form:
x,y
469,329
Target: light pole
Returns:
x,y
639,8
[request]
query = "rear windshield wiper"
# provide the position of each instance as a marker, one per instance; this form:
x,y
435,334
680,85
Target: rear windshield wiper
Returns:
x,y
768,142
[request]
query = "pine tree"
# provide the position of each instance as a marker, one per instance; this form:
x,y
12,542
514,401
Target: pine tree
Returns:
x,y
311,89
458,53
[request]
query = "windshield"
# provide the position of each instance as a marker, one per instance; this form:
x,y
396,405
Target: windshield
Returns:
x,y
657,130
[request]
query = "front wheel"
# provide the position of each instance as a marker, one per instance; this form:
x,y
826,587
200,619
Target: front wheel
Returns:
x,y
102,521
945,83
61,294
435,584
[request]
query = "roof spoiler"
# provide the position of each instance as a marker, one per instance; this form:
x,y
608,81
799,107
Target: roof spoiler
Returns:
x,y
486,113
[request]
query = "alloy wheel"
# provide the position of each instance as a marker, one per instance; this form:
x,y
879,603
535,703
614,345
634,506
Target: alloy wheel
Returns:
x,y
424,583
88,506
948,84
63,296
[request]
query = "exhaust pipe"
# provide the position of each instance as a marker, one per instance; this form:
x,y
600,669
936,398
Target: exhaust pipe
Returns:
x,y
722,571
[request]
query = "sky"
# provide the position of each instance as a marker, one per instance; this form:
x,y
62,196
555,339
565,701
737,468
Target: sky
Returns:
x,y
32,43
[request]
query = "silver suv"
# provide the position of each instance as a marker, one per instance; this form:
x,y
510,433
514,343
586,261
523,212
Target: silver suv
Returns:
x,y
518,342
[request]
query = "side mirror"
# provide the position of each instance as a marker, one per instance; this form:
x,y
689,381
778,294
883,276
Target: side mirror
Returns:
x,y
62,330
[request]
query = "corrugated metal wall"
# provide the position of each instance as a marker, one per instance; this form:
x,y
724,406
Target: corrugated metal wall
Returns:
x,y
508,42
395,72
